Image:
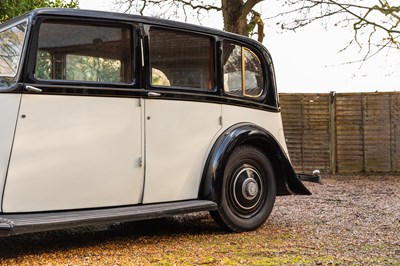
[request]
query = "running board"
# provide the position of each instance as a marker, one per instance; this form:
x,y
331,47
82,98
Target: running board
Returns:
x,y
15,224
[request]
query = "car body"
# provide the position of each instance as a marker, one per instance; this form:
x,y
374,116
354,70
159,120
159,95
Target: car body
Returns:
x,y
112,117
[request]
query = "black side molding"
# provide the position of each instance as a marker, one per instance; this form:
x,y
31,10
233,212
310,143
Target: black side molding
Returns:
x,y
15,224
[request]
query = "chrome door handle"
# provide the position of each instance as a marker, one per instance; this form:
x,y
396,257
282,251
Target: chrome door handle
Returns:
x,y
153,94
32,89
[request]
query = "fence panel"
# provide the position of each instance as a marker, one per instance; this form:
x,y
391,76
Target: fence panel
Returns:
x,y
344,133
306,125
377,132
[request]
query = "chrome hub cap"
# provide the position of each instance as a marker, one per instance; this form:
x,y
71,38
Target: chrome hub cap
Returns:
x,y
247,189
250,188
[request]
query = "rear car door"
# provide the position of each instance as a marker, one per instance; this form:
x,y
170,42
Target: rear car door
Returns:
x,y
182,113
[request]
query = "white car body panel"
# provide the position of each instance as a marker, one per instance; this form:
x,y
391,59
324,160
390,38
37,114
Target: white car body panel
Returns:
x,y
179,136
8,117
270,121
75,152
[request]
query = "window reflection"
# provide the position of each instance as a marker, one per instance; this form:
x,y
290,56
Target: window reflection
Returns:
x,y
180,59
84,53
11,44
243,74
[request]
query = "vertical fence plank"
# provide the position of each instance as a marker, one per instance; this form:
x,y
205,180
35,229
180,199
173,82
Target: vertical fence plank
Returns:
x,y
332,132
395,132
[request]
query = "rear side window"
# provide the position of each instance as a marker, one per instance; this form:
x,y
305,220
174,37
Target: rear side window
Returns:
x,y
243,73
180,59
77,52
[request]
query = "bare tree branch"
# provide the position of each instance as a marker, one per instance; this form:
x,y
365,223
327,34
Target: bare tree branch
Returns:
x,y
376,27
249,5
238,15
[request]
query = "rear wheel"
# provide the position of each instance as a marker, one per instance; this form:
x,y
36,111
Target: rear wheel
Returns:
x,y
248,191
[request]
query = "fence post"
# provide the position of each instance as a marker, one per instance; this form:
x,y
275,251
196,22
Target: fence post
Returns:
x,y
332,131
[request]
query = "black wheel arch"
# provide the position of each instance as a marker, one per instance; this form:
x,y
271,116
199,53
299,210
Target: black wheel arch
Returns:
x,y
287,181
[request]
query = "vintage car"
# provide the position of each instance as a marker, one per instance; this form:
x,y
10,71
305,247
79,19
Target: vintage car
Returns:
x,y
110,117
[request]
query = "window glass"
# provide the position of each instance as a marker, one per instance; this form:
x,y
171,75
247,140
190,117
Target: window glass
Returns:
x,y
232,56
243,74
89,68
180,59
11,43
253,74
84,53
44,65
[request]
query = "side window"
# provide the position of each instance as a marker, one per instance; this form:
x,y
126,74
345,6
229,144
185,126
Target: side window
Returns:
x,y
243,73
11,44
78,52
232,55
180,59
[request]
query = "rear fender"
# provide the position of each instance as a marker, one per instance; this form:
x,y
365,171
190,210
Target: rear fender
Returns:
x,y
248,134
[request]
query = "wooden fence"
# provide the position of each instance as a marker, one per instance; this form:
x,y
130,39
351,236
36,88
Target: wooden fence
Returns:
x,y
343,132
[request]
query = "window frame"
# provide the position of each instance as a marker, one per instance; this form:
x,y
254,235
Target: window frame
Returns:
x,y
8,27
133,28
259,98
161,88
21,64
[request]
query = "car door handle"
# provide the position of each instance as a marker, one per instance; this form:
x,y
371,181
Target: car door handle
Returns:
x,y
32,89
153,94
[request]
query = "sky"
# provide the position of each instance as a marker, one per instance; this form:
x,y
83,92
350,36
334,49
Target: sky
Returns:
x,y
309,60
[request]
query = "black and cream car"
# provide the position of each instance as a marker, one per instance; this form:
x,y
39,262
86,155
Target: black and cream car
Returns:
x,y
111,117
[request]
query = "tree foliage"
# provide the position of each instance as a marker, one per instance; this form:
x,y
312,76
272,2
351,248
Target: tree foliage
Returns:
x,y
13,8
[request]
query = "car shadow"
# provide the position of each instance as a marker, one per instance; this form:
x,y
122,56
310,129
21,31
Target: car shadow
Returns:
x,y
85,237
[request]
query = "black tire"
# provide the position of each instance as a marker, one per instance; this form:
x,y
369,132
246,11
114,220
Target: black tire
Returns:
x,y
248,191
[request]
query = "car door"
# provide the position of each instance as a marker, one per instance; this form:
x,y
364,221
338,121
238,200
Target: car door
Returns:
x,y
78,139
9,103
182,114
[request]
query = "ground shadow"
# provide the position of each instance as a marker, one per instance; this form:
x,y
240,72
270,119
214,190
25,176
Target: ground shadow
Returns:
x,y
52,241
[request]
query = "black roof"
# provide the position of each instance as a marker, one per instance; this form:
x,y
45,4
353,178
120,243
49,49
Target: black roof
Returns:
x,y
94,14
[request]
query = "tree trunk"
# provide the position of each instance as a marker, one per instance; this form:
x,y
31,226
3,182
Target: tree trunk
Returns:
x,y
234,18
235,14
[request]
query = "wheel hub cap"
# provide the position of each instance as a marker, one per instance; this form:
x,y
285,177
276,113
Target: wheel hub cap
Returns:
x,y
247,188
250,188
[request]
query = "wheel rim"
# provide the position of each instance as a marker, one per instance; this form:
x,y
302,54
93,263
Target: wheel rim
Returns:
x,y
246,191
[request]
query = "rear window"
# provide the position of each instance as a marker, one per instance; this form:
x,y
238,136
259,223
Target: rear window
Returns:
x,y
243,72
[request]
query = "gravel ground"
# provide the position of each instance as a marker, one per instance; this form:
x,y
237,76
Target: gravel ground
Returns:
x,y
348,220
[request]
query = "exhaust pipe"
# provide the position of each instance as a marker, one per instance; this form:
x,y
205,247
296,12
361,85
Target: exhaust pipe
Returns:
x,y
315,177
